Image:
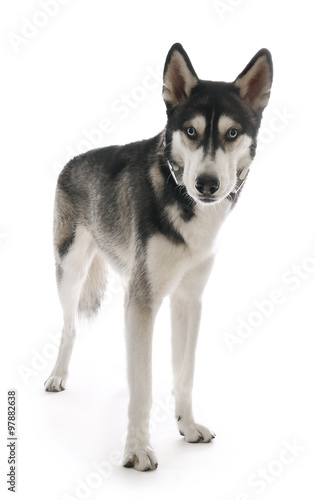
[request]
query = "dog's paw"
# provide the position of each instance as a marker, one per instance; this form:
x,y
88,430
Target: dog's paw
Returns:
x,y
142,459
55,383
195,433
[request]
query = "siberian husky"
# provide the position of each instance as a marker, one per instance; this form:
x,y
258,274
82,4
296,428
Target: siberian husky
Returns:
x,y
152,210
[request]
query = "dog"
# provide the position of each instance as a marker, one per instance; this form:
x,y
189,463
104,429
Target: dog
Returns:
x,y
152,210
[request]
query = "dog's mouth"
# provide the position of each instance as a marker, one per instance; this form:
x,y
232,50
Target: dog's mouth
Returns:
x,y
207,199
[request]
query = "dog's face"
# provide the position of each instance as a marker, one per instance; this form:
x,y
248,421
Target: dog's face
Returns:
x,y
212,126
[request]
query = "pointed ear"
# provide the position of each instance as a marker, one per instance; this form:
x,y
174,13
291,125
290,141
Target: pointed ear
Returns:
x,y
179,76
255,80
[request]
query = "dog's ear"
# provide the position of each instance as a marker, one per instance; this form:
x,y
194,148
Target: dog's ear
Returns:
x,y
179,76
255,80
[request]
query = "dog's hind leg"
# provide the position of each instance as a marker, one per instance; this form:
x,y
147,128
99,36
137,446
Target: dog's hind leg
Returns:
x,y
185,315
75,271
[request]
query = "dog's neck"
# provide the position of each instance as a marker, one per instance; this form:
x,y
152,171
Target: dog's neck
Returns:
x,y
175,169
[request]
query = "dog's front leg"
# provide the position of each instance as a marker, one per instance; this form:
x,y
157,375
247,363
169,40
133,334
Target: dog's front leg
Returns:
x,y
185,313
139,317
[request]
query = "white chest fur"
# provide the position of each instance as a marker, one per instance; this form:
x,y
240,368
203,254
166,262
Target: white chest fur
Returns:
x,y
201,231
167,262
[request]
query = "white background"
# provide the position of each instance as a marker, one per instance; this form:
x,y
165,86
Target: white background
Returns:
x,y
58,85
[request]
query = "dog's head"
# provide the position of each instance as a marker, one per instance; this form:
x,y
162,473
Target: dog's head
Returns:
x,y
212,127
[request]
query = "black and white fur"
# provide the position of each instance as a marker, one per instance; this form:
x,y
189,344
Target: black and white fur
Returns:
x,y
152,210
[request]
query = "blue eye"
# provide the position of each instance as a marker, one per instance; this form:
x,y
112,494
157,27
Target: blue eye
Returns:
x,y
191,132
231,134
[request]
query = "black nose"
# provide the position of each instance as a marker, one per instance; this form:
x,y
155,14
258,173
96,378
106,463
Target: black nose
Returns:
x,y
207,184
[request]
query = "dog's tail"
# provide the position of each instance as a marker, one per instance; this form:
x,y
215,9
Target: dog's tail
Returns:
x,y
80,266
93,289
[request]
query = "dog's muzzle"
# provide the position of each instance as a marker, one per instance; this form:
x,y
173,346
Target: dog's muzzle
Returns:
x,y
206,183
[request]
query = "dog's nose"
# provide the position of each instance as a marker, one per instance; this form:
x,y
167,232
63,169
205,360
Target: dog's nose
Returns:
x,y
207,184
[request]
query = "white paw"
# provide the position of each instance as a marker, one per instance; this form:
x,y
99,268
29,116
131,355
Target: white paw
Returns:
x,y
142,459
195,433
56,383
